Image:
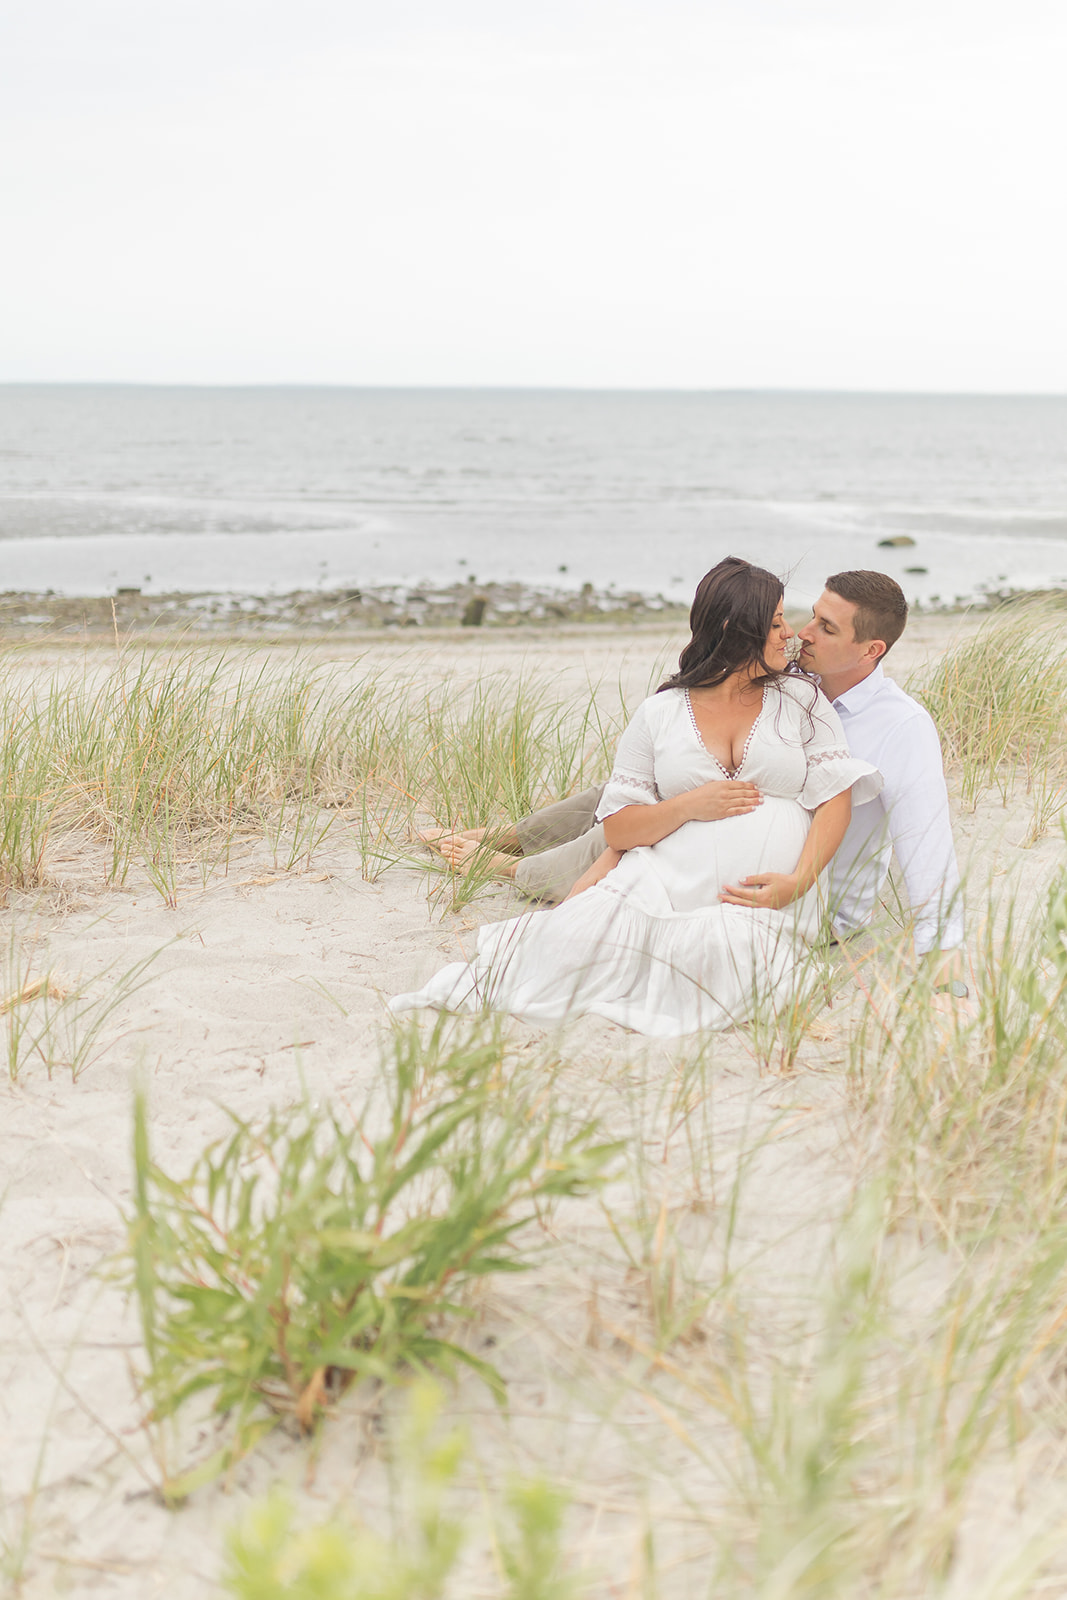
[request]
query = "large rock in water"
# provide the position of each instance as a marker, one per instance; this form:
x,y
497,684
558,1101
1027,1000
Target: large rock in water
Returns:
x,y
899,541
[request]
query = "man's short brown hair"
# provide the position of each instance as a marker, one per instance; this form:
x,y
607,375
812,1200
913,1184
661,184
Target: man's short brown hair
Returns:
x,y
881,609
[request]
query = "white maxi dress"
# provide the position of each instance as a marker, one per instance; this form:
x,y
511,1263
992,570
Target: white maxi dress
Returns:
x,y
651,946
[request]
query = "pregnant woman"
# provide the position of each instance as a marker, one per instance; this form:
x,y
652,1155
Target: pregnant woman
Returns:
x,y
702,920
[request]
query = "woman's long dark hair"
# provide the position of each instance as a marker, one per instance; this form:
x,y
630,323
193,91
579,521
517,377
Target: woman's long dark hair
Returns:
x,y
731,617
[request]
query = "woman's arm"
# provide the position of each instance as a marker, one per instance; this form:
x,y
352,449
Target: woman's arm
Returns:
x,y
710,802
606,862
773,890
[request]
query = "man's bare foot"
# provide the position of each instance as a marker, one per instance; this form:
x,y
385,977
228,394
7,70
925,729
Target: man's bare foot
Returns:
x,y
463,854
432,836
436,838
603,864
505,839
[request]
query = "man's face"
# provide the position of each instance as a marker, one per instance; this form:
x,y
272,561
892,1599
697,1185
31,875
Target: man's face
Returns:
x,y
828,642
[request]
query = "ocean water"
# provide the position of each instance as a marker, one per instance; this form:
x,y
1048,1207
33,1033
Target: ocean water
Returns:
x,y
269,489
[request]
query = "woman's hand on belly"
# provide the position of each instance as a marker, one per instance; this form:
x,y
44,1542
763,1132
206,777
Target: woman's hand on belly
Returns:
x,y
764,891
714,801
720,798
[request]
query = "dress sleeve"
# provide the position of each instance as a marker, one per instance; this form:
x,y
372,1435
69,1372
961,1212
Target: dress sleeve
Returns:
x,y
831,766
633,777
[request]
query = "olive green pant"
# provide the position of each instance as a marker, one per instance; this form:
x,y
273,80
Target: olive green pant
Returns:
x,y
559,843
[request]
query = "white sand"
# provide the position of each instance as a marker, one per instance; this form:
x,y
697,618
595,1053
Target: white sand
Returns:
x,y
262,982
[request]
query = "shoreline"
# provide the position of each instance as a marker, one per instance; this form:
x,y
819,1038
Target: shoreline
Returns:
x,y
344,612
375,611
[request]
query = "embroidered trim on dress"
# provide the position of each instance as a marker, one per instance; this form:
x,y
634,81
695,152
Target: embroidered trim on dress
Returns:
x,y
693,721
839,753
709,753
626,781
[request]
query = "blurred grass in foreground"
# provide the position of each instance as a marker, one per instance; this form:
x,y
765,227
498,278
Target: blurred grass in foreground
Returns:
x,y
273,1556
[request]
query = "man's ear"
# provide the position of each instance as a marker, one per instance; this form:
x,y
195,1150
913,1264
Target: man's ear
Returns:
x,y
874,650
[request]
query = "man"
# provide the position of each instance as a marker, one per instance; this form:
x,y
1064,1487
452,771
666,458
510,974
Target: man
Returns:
x,y
855,622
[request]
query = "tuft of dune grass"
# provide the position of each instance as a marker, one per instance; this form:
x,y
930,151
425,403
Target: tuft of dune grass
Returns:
x,y
999,700
168,760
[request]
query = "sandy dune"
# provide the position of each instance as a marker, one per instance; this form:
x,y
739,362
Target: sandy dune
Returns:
x,y
261,985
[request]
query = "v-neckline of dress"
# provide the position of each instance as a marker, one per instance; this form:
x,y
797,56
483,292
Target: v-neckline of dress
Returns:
x,y
710,753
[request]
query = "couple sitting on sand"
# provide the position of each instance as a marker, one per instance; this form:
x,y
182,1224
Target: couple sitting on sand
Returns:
x,y
749,802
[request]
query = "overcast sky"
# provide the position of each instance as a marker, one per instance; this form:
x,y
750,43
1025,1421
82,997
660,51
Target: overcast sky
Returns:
x,y
663,193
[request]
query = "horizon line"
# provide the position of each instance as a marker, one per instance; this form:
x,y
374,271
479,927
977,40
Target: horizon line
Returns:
x,y
536,388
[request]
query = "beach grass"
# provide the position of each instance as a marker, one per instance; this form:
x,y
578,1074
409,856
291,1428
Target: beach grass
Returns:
x,y
330,1250
57,1021
167,759
999,699
972,1104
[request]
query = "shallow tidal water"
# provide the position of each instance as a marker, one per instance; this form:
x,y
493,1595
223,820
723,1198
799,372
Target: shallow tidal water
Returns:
x,y
272,490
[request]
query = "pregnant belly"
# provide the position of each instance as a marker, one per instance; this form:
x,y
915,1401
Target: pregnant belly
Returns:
x,y
696,862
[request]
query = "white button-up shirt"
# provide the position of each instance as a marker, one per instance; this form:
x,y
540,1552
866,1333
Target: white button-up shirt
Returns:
x,y
910,817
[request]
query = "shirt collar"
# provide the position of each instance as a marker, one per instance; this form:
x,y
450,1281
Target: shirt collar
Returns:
x,y
861,694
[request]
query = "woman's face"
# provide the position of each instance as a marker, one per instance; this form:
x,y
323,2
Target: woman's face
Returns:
x,y
776,651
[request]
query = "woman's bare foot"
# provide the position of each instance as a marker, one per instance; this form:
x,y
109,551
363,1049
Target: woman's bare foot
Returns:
x,y
463,854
